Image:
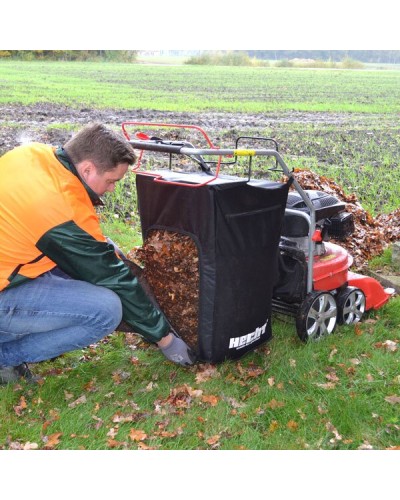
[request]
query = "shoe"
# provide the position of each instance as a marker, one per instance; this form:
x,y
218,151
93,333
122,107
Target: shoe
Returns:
x,y
9,374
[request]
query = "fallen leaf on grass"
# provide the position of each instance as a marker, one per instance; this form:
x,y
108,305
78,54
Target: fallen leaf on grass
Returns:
x,y
143,446
82,399
273,426
119,376
182,396
332,353
68,395
332,377
90,387
21,406
99,422
207,372
393,399
255,372
292,425
389,345
112,443
358,329
328,385
54,418
52,440
365,446
212,400
233,402
112,432
337,437
273,404
137,435
214,440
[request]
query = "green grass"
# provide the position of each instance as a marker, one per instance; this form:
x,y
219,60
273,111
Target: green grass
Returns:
x,y
335,394
199,88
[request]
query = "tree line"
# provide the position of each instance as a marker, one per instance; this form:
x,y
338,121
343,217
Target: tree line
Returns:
x,y
71,55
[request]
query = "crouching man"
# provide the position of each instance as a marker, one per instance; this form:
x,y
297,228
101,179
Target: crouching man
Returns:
x,y
62,285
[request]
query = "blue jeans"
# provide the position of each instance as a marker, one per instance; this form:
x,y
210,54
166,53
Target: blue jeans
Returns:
x,y
53,314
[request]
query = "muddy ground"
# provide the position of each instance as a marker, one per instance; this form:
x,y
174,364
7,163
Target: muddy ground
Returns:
x,y
39,122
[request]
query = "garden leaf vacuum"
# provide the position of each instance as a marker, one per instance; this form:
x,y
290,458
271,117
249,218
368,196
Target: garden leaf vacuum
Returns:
x,y
258,242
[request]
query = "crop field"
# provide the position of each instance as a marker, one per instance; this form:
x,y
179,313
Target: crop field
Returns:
x,y
340,123
199,88
338,394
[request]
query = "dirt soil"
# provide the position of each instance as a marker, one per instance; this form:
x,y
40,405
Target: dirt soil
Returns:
x,y
37,122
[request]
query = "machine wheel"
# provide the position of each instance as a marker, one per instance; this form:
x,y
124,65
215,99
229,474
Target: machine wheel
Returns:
x,y
317,316
351,305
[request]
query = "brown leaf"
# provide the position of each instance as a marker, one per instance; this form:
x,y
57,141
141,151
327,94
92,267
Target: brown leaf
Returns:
x,y
332,353
255,372
112,443
389,345
273,426
392,399
213,440
68,395
328,386
52,440
21,406
337,437
273,404
211,400
82,399
143,446
207,372
90,387
292,425
137,435
358,329
332,377
56,417
166,434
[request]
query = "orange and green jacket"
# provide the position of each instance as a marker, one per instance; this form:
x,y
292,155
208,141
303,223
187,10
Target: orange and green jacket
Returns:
x,y
48,219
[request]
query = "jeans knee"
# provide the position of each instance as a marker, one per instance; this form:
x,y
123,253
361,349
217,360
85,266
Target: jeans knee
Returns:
x,y
110,311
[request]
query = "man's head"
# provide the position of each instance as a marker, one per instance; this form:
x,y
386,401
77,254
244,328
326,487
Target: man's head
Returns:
x,y
100,156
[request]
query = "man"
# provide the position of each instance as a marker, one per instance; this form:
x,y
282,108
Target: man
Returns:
x,y
62,284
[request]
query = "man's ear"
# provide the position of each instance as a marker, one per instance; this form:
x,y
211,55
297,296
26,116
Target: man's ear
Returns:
x,y
85,169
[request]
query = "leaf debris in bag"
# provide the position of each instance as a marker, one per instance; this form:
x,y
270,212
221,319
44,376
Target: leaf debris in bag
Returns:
x,y
171,270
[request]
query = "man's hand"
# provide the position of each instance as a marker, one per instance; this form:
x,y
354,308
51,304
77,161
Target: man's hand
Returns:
x,y
176,350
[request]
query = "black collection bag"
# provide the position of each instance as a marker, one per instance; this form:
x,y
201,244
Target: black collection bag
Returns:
x,y
236,225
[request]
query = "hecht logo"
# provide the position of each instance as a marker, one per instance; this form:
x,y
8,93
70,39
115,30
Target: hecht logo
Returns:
x,y
245,340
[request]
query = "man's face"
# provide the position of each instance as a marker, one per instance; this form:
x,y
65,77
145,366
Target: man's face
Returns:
x,y
104,182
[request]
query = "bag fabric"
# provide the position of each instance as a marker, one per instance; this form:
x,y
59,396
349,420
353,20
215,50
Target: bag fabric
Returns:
x,y
236,225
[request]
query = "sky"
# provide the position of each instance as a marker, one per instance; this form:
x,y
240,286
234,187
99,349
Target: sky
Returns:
x,y
204,25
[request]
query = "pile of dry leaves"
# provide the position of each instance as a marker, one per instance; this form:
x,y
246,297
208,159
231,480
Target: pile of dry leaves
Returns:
x,y
371,235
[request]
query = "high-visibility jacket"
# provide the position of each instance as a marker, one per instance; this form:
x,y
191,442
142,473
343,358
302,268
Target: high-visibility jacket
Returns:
x,y
48,219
